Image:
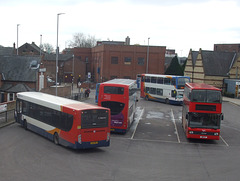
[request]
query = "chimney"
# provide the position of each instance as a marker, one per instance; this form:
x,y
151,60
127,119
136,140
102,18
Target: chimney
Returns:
x,y
127,41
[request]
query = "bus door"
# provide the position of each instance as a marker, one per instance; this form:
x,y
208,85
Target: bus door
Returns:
x,y
18,111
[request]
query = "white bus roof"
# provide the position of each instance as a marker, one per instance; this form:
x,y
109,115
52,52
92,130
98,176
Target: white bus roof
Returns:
x,y
54,102
161,75
121,81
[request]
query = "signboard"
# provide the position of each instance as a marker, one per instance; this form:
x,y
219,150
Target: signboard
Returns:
x,y
89,75
3,108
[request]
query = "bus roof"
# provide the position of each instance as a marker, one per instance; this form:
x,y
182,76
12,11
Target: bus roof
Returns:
x,y
161,75
120,81
54,102
201,86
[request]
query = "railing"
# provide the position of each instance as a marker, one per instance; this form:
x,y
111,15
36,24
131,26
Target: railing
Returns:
x,y
7,110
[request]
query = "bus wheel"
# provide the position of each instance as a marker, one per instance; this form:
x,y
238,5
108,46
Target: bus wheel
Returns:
x,y
56,139
166,101
25,124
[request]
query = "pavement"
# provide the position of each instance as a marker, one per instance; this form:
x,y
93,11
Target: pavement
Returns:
x,y
4,123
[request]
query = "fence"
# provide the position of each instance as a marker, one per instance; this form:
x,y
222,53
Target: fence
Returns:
x,y
7,110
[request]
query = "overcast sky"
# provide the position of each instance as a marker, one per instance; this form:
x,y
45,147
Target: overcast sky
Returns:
x,y
176,24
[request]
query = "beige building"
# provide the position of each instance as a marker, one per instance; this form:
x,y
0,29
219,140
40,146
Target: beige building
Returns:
x,y
212,67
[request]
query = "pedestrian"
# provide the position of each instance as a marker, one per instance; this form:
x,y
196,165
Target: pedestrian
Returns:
x,y
87,92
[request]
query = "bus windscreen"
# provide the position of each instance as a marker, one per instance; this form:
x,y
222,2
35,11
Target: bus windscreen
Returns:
x,y
210,96
182,81
204,120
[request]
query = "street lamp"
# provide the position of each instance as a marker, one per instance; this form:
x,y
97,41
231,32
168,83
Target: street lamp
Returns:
x,y
40,45
17,38
72,72
147,56
57,51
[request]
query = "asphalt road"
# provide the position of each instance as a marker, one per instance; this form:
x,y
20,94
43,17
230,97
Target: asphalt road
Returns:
x,y
155,148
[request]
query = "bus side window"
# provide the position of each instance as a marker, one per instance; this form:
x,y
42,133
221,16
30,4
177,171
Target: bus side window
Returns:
x,y
159,80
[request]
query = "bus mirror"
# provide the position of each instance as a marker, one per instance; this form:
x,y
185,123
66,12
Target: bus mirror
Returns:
x,y
187,116
174,93
222,116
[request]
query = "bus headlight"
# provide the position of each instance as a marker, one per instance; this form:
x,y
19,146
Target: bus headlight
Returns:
x,y
215,134
80,139
190,132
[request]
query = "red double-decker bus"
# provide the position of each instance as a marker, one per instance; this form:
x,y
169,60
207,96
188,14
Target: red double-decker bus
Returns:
x,y
202,111
120,96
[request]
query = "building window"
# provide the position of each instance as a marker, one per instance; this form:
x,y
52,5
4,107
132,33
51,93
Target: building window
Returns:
x,y
86,59
127,60
114,60
140,61
10,97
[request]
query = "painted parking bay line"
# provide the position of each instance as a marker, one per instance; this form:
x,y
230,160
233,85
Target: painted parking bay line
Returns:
x,y
174,122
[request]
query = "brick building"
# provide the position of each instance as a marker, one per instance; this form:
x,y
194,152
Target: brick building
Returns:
x,y
28,49
227,47
116,59
68,66
126,61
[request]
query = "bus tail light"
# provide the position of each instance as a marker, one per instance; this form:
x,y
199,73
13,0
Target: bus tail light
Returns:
x,y
80,139
108,136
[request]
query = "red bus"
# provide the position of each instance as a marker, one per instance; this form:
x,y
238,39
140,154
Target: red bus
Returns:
x,y
120,96
202,111
64,121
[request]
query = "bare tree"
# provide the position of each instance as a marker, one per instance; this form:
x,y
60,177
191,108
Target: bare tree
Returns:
x,y
81,40
48,48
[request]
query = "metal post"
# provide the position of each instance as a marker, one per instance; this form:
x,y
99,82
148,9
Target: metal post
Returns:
x,y
40,45
147,56
17,38
57,52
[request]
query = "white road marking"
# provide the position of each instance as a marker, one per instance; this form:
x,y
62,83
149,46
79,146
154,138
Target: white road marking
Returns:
x,y
137,121
174,122
224,141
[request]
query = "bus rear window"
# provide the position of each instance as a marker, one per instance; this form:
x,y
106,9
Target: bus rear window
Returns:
x,y
94,119
113,90
115,107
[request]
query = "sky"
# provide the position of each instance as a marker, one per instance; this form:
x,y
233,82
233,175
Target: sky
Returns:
x,y
177,24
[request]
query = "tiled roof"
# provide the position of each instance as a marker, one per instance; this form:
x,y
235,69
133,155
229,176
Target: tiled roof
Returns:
x,y
61,57
16,88
217,63
6,50
194,57
19,68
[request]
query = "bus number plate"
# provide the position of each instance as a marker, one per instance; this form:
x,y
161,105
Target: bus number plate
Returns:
x,y
94,142
203,136
112,129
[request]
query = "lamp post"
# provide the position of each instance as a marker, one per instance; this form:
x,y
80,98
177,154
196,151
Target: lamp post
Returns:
x,y
40,45
57,51
17,37
147,56
72,72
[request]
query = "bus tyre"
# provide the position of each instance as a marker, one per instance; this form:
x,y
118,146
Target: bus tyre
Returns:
x,y
56,139
25,124
166,101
